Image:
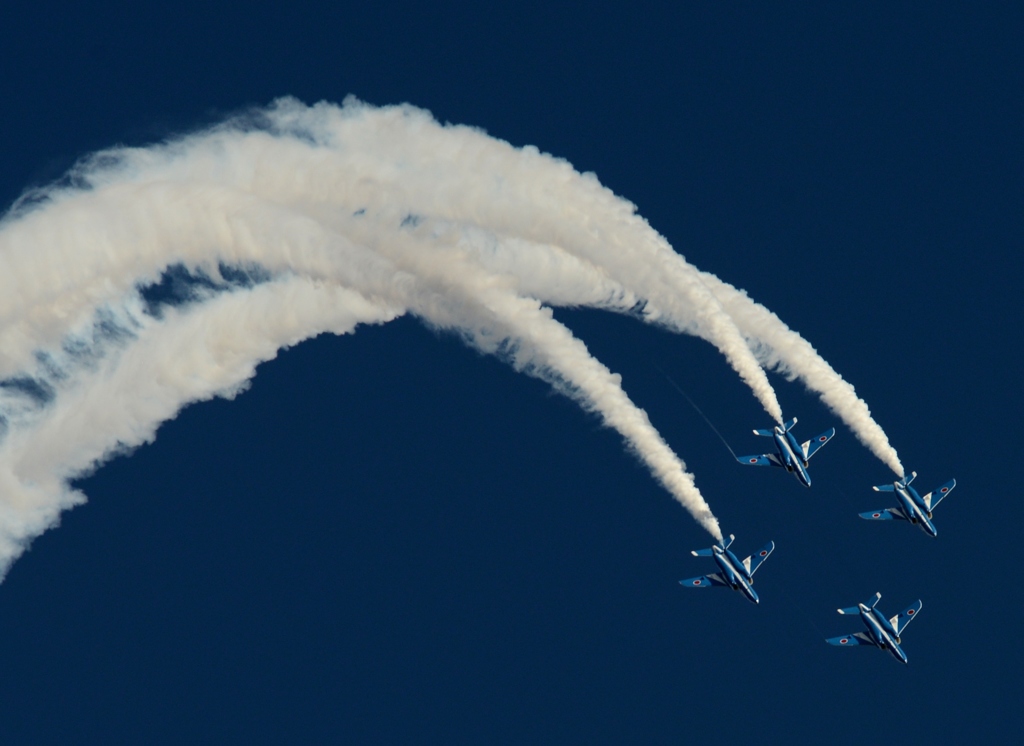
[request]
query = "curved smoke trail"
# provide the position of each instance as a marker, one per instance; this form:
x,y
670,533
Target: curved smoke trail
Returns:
x,y
300,220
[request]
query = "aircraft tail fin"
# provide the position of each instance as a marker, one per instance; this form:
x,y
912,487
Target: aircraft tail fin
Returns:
x,y
911,478
789,425
872,604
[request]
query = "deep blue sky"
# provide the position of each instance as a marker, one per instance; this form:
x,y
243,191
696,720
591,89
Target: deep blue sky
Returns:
x,y
391,539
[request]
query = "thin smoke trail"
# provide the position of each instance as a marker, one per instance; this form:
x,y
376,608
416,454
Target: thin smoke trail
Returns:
x,y
700,412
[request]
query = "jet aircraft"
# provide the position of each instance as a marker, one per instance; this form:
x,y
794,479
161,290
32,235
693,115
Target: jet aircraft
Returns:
x,y
790,455
737,575
882,633
912,507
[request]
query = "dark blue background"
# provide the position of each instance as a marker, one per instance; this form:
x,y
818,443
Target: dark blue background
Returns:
x,y
390,539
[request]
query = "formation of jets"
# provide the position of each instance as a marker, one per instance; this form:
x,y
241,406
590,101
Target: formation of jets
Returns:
x,y
795,457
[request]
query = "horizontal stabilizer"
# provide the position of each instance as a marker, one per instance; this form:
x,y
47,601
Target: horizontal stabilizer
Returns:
x,y
814,444
849,610
710,551
884,488
767,459
888,514
932,499
704,581
754,561
764,433
857,638
901,620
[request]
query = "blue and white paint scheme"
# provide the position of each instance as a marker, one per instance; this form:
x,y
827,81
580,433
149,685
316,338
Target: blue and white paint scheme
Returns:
x,y
792,456
882,633
735,574
912,507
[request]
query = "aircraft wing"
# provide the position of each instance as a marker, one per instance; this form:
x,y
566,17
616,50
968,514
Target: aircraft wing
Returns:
x,y
813,445
901,620
768,459
857,638
754,561
704,581
888,514
932,499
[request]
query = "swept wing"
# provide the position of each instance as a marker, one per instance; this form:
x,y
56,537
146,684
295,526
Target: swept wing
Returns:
x,y
857,638
813,445
704,581
901,620
932,499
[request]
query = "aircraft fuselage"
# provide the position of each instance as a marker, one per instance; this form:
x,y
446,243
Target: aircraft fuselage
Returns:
x,y
914,508
882,632
791,455
735,573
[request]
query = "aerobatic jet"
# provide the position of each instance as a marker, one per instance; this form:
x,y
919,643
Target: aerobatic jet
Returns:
x,y
792,456
882,633
912,507
735,574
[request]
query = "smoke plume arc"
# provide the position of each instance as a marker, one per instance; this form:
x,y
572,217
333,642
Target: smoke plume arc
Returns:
x,y
295,220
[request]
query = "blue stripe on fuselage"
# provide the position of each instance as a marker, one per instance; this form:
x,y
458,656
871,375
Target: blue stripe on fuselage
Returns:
x,y
915,509
794,448
792,456
882,632
735,573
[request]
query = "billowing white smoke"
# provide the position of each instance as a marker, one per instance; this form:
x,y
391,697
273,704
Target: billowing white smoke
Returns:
x,y
344,215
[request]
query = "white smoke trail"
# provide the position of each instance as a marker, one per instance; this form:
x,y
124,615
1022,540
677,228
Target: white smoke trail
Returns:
x,y
119,401
400,155
73,325
780,348
345,216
